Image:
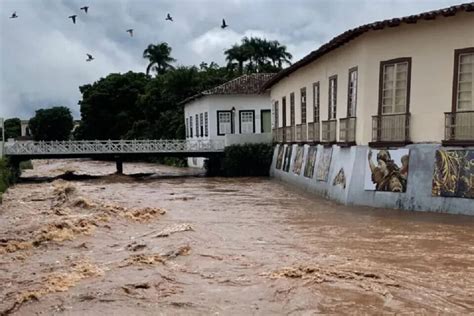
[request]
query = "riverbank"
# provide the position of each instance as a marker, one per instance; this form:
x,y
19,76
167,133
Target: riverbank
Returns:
x,y
195,245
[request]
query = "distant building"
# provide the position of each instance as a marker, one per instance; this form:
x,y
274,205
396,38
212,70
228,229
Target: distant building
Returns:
x,y
25,130
236,107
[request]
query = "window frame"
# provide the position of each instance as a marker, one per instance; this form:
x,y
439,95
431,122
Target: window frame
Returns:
x,y
197,125
316,105
283,111
457,54
292,109
261,120
201,124
206,124
304,118
408,88
190,126
231,123
253,120
352,70
276,123
330,107
186,124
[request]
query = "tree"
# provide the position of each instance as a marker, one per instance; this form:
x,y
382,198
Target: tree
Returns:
x,y
12,128
54,123
160,58
109,106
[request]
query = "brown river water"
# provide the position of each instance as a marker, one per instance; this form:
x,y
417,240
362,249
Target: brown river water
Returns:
x,y
174,242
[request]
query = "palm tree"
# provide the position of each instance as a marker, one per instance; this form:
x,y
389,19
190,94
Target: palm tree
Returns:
x,y
159,57
237,53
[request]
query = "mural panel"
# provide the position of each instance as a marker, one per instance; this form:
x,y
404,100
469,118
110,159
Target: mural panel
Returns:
x,y
298,161
340,179
310,162
286,163
454,174
324,164
281,150
387,170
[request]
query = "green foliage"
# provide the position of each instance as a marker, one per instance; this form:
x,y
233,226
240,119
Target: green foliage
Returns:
x,y
257,55
12,128
54,123
247,160
8,175
160,58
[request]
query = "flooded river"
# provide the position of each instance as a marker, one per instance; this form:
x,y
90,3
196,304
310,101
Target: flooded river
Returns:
x,y
165,243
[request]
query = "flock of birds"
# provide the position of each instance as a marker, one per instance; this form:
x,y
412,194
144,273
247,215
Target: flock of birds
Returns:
x,y
129,31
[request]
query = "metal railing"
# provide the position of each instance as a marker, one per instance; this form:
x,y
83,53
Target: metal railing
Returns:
x,y
301,133
113,147
347,130
328,131
391,128
290,134
313,132
459,126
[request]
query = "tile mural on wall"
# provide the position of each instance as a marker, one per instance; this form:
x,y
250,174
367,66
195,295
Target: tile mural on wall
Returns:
x,y
310,162
322,171
298,161
340,179
286,163
387,170
454,174
279,161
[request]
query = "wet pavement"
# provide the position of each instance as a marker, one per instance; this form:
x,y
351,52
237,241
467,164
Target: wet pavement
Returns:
x,y
167,243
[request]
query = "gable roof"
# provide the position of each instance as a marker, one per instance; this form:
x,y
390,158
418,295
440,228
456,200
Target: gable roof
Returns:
x,y
246,84
353,33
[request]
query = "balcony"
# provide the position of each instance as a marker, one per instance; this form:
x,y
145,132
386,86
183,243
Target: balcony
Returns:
x,y
301,133
313,132
328,132
459,128
279,135
289,134
390,130
347,131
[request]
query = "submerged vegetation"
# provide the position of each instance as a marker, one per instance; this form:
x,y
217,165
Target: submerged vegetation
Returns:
x,y
247,160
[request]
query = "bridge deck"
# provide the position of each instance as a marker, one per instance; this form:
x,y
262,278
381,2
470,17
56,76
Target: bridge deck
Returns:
x,y
108,148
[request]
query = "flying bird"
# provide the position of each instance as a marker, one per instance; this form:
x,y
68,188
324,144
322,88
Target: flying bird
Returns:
x,y
169,18
85,9
14,16
224,25
73,17
130,31
89,57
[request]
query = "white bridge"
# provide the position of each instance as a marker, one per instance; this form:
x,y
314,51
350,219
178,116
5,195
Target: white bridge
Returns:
x,y
64,149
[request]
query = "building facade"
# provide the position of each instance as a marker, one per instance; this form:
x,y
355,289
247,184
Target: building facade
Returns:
x,y
383,98
236,107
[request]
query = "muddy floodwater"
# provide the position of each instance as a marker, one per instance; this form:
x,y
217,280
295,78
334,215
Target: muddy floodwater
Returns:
x,y
170,241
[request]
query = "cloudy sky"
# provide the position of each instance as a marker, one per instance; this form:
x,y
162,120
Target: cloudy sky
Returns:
x,y
42,53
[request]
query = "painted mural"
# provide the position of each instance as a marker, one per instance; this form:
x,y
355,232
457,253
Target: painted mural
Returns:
x,y
387,170
322,171
286,163
298,161
310,162
279,161
340,179
454,174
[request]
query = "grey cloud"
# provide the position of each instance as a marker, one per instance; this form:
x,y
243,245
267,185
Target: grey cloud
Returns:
x,y
42,56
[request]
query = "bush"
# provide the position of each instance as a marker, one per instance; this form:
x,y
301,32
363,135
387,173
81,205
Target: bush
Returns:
x,y
7,175
247,160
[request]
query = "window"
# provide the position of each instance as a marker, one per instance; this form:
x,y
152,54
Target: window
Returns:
x,y
464,80
303,105
197,125
206,124
316,102
224,122
395,86
352,93
332,98
191,126
186,126
292,109
247,122
283,110
201,124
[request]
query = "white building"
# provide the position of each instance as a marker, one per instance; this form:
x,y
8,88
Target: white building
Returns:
x,y
235,107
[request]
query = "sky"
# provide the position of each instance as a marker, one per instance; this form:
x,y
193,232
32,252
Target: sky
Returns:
x,y
43,54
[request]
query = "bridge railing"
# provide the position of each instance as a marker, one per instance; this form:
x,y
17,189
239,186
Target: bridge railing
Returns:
x,y
112,147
